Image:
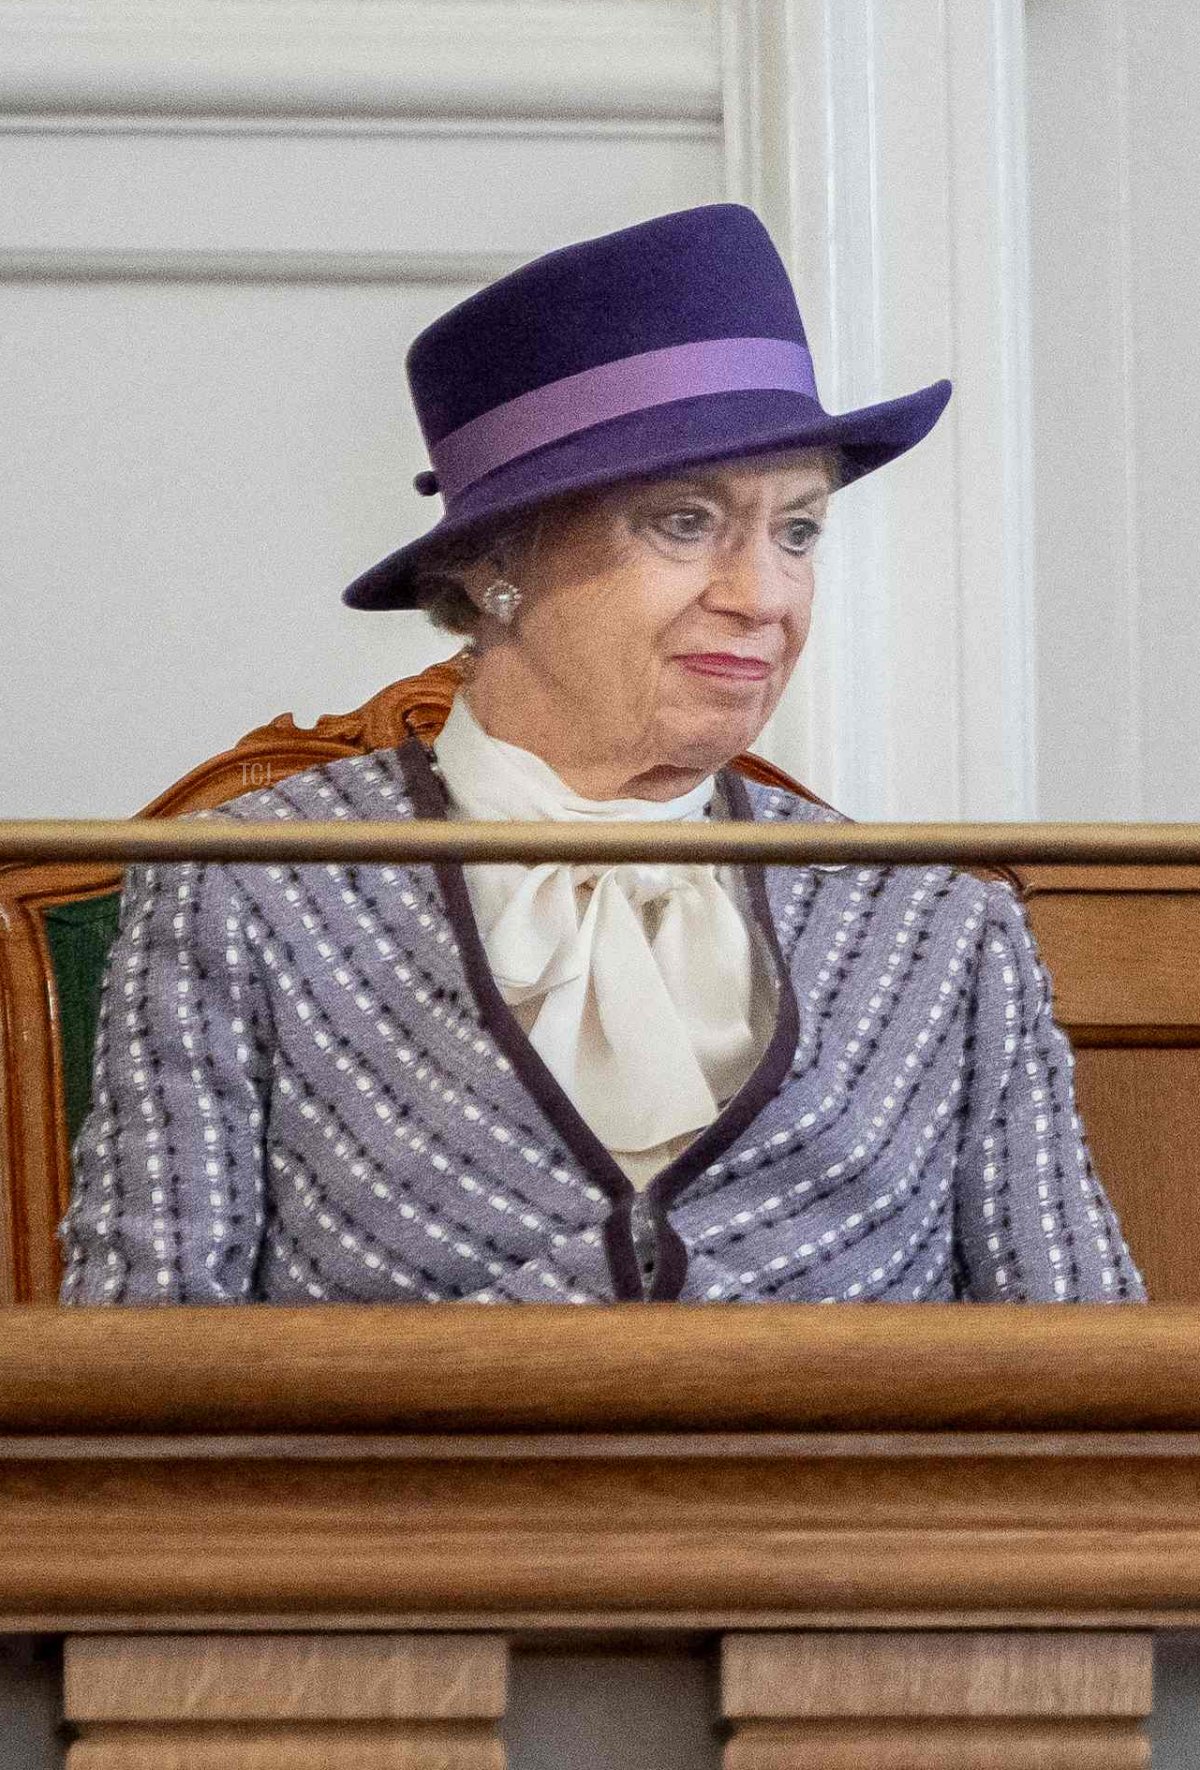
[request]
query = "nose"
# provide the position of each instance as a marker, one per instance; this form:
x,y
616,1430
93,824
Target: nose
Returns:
x,y
748,577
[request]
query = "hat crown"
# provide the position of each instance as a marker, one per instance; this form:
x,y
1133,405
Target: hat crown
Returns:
x,y
697,274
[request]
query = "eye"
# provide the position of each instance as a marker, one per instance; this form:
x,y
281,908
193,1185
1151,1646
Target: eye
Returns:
x,y
804,534
692,522
685,523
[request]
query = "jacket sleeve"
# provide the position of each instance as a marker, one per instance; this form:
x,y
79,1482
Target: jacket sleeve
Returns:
x,y
1032,1221
167,1200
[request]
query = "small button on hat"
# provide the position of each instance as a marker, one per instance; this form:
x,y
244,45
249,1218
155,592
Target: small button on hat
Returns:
x,y
675,341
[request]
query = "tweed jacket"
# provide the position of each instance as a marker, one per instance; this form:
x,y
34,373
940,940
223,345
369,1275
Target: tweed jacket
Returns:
x,y
307,1086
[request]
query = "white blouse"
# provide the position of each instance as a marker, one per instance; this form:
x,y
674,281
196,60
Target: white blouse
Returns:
x,y
648,991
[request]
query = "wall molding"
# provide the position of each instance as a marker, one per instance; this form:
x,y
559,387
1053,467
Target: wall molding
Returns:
x,y
592,58
992,307
1115,27
1127,687
69,265
424,128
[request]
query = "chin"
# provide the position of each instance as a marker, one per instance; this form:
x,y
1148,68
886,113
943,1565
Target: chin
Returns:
x,y
716,748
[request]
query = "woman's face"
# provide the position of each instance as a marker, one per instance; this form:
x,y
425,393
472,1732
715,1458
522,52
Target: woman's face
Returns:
x,y
610,670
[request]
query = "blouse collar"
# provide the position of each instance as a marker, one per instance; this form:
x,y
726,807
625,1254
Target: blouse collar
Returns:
x,y
606,993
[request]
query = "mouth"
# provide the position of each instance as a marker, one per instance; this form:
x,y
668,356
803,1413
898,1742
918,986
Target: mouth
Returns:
x,y
725,664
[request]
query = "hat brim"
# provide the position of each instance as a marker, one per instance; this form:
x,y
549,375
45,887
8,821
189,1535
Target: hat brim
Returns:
x,y
652,442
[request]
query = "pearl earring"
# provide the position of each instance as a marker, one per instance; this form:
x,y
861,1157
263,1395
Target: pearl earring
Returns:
x,y
501,599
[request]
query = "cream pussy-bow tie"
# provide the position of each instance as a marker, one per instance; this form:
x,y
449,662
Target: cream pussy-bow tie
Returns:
x,y
647,1033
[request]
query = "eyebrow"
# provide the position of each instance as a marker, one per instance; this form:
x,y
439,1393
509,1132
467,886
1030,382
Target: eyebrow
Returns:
x,y
707,481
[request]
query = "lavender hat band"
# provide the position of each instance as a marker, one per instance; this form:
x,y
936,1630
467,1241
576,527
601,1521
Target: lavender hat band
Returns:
x,y
652,378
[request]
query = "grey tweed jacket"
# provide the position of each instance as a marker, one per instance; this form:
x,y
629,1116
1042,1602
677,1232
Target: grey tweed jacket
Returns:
x,y
308,1087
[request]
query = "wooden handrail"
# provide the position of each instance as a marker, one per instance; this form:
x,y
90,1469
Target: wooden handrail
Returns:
x,y
625,1367
164,839
466,1466
613,1467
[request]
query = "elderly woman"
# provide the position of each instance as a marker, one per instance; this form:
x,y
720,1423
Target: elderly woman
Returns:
x,y
588,1083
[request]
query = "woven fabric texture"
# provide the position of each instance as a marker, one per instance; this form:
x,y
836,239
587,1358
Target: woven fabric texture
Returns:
x,y
306,1087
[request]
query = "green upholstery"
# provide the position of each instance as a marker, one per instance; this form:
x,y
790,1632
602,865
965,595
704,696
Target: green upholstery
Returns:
x,y
79,936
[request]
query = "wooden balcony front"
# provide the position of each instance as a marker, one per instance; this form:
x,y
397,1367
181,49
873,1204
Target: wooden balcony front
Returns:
x,y
914,1529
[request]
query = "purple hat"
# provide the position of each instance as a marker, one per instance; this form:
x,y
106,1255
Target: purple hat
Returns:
x,y
674,341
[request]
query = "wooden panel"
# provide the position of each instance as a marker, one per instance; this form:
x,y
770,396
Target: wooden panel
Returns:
x,y
955,1674
1024,1700
403,1747
1122,957
1039,877
1141,1110
170,1513
285,1702
936,1745
1054,1529
1122,945
312,1678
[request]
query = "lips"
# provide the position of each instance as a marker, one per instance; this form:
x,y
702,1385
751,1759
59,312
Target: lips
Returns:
x,y
718,663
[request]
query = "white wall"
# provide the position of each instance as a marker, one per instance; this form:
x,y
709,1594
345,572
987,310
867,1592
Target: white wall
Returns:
x,y
203,318
221,221
221,224
1115,202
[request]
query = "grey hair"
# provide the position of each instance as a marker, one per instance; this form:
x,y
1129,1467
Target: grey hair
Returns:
x,y
438,586
440,590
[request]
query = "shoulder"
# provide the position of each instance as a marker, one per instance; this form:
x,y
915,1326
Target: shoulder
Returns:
x,y
371,786
976,906
1010,947
780,804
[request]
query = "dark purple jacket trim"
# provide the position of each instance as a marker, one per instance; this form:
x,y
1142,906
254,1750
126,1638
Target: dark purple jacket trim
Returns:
x,y
756,1092
430,800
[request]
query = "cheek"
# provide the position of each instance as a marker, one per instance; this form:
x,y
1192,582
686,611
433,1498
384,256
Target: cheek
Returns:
x,y
647,604
800,615
603,635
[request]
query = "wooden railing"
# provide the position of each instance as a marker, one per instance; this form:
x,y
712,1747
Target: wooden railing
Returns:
x,y
436,839
915,1534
